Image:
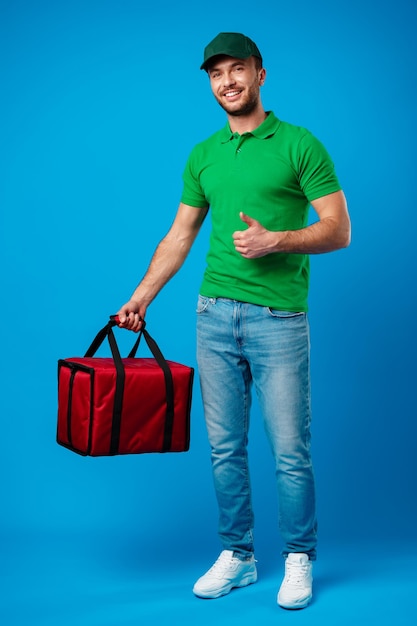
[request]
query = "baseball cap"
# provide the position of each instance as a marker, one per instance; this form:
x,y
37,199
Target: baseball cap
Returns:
x,y
231,44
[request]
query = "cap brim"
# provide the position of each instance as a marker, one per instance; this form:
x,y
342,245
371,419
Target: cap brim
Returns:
x,y
225,53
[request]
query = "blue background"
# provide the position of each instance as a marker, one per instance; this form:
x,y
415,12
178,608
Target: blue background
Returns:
x,y
100,104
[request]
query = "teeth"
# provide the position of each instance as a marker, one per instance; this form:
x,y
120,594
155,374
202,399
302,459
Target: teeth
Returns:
x,y
230,94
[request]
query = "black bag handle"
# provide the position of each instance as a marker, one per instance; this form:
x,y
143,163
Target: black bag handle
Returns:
x,y
107,331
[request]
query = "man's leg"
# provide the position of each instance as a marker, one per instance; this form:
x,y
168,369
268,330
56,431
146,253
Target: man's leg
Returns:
x,y
278,350
225,384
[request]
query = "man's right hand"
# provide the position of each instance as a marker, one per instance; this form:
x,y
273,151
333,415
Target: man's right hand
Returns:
x,y
131,315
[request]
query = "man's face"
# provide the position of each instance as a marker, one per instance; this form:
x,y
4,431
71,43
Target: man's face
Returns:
x,y
235,84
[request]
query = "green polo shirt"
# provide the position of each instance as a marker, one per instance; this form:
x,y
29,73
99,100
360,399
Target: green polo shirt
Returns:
x,y
271,174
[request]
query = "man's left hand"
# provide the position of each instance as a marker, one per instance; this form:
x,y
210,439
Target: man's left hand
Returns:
x,y
255,241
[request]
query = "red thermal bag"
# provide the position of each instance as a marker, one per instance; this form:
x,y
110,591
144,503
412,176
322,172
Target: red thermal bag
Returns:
x,y
109,406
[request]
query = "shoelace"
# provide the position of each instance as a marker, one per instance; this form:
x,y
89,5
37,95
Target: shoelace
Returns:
x,y
222,564
296,574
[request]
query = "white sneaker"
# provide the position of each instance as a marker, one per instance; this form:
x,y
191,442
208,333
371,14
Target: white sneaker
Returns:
x,y
227,572
296,589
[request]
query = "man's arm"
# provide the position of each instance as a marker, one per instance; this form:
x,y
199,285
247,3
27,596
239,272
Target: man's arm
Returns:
x,y
331,232
166,261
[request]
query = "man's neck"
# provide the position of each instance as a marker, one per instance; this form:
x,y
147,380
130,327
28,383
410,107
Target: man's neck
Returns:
x,y
246,123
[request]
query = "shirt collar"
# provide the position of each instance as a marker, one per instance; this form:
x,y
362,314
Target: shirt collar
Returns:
x,y
268,128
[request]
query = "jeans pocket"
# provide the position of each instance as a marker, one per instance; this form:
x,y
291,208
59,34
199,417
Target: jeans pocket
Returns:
x,y
284,314
203,303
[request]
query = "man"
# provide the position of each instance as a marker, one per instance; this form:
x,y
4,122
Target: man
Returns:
x,y
259,176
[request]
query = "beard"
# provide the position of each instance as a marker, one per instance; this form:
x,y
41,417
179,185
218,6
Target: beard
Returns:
x,y
246,108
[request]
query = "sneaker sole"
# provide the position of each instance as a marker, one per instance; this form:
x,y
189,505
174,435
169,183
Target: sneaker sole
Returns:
x,y
247,579
301,605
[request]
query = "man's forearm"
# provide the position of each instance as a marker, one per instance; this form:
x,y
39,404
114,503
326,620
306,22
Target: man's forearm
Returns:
x,y
331,232
166,261
323,236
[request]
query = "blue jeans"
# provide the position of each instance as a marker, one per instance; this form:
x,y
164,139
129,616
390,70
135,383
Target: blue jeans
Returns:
x,y
240,344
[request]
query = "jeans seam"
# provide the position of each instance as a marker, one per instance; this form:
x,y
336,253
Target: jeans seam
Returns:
x,y
246,460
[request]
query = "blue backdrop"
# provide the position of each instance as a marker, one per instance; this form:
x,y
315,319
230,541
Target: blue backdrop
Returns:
x,y
100,104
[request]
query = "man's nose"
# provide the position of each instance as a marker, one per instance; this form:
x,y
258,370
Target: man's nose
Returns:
x,y
228,80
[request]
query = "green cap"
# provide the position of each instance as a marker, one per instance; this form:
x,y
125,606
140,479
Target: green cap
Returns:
x,y
231,44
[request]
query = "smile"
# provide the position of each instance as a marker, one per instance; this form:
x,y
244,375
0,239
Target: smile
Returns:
x,y
232,94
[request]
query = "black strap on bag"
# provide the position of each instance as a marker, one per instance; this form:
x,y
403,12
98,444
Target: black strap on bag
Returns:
x,y
107,331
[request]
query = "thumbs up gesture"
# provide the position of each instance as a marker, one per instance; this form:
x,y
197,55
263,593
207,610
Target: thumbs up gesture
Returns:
x,y
254,241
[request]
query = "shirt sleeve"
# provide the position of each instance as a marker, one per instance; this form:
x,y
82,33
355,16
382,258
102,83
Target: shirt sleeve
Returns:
x,y
192,193
317,175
